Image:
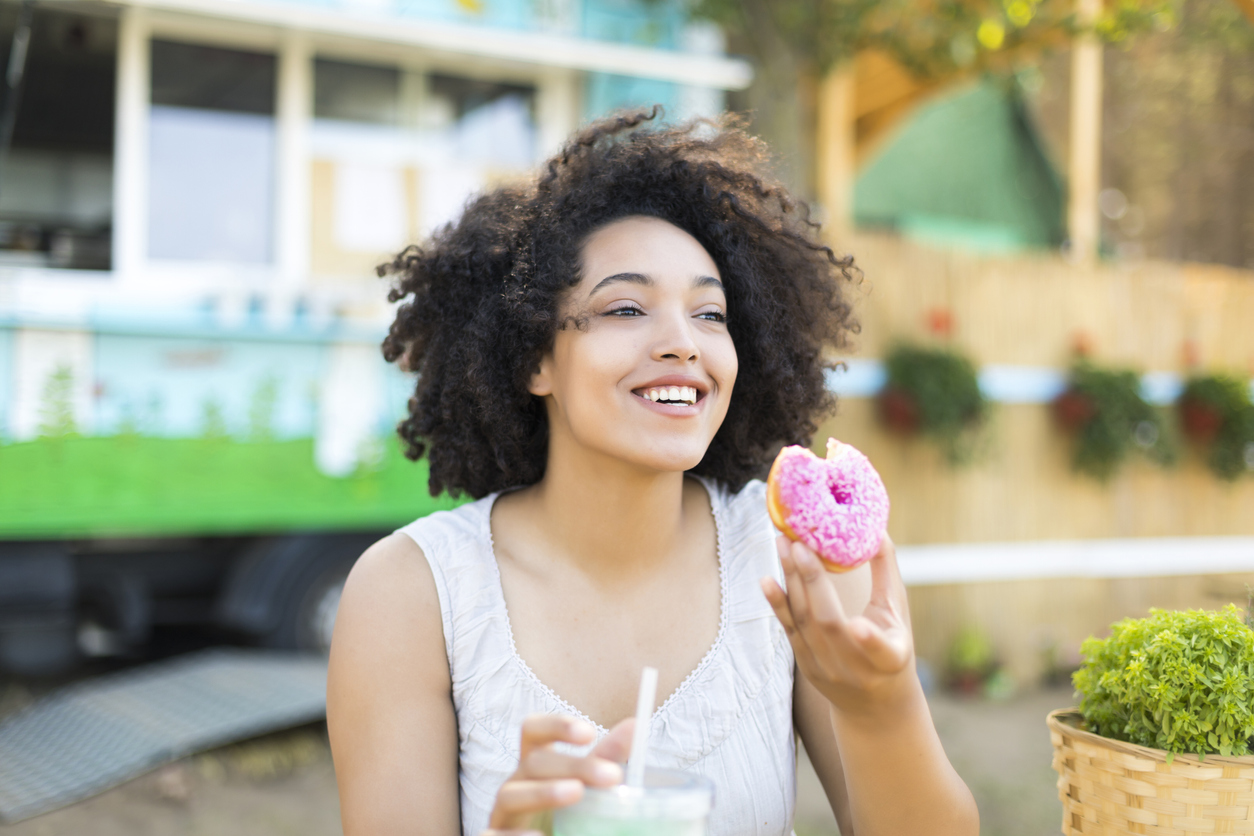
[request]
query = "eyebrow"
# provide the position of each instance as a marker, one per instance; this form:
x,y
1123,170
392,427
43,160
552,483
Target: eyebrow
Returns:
x,y
642,279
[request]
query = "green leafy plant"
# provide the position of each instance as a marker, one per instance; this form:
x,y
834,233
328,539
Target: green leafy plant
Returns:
x,y
1104,411
1216,413
1177,681
972,660
934,392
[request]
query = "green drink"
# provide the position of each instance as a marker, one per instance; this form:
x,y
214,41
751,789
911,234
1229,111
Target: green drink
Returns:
x,y
669,804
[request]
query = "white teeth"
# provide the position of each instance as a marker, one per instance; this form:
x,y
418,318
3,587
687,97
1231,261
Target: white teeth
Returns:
x,y
682,394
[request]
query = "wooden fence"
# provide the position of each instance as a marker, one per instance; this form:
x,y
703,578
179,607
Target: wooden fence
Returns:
x,y
1032,311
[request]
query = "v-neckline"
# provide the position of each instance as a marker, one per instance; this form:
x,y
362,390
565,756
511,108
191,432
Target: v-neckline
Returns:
x,y
716,509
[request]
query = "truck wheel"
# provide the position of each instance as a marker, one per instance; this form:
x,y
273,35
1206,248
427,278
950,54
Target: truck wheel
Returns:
x,y
314,622
284,591
305,614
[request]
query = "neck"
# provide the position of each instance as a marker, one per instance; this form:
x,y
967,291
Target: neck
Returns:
x,y
608,517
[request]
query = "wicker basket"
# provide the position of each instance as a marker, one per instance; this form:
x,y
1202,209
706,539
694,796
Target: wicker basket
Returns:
x,y
1109,787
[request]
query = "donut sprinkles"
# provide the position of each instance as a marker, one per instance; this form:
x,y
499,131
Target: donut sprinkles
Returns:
x,y
837,506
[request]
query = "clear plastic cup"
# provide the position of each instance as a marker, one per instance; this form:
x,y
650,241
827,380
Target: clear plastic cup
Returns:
x,y
670,803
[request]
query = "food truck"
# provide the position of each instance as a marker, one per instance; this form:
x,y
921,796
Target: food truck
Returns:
x,y
196,423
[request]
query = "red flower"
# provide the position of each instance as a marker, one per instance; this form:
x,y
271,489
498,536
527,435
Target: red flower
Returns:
x,y
1191,354
1082,344
940,321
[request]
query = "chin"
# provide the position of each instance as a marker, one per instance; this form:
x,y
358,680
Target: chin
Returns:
x,y
678,461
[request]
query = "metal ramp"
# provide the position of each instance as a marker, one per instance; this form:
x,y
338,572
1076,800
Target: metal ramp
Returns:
x,y
96,734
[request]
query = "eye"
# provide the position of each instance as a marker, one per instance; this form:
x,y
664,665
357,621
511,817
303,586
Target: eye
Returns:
x,y
624,311
712,316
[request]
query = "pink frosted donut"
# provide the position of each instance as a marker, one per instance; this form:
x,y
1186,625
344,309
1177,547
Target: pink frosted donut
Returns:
x,y
837,506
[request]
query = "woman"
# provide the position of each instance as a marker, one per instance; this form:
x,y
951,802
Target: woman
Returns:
x,y
607,358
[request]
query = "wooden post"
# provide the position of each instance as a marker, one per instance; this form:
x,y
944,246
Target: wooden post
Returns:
x,y
1083,219
835,147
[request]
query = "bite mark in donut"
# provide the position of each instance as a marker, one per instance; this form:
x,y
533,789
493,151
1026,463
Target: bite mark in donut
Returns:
x,y
837,506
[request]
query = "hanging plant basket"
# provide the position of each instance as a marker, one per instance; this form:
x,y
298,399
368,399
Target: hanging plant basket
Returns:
x,y
899,411
1201,421
1073,410
1104,413
1216,414
935,393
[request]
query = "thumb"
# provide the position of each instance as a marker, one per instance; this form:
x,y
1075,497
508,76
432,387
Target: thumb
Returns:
x,y
616,746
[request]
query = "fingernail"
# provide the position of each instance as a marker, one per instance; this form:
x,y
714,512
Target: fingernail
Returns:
x,y
568,789
579,728
607,773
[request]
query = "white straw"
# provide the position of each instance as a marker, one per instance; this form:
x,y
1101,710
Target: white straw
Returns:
x,y
640,737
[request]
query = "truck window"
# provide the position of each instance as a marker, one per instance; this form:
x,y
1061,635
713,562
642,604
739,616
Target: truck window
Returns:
x,y
211,154
356,92
56,189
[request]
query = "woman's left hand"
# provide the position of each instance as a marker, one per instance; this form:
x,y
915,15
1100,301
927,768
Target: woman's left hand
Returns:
x,y
861,662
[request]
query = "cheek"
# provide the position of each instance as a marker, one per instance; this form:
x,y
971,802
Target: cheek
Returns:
x,y
593,364
725,365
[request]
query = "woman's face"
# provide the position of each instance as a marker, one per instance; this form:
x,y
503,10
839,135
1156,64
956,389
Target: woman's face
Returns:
x,y
649,378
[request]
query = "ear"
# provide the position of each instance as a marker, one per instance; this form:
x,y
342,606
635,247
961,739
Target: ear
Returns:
x,y
541,382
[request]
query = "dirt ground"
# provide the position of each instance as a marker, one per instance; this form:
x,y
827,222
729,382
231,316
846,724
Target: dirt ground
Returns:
x,y
284,783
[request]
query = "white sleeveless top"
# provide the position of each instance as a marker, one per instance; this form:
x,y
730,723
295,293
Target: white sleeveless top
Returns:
x,y
730,720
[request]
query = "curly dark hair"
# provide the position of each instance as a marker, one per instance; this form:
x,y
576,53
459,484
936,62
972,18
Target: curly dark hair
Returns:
x,y
484,294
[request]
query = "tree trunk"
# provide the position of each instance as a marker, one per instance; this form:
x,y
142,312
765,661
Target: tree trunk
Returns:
x,y
781,99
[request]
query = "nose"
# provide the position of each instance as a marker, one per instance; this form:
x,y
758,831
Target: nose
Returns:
x,y
675,340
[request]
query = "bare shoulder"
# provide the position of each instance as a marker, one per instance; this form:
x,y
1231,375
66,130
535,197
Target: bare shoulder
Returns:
x,y
390,614
389,707
391,573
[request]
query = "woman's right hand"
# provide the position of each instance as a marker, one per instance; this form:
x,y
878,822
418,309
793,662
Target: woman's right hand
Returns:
x,y
547,779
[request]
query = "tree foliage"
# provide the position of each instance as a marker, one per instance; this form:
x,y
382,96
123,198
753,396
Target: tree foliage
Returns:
x,y
931,38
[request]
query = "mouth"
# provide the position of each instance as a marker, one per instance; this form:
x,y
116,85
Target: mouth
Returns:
x,y
670,395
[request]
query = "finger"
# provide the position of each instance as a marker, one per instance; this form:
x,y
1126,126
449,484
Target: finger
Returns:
x,y
821,595
518,799
498,832
544,729
888,590
547,763
795,590
801,650
885,574
779,603
616,746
